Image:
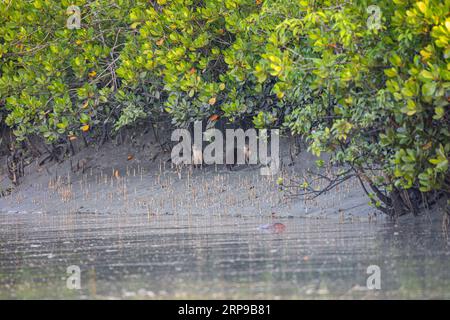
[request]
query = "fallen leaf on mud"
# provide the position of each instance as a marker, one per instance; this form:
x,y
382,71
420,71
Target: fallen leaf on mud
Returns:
x,y
276,227
72,138
130,157
116,174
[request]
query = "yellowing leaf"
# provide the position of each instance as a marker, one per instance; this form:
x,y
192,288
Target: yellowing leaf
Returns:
x,y
134,25
425,54
411,108
392,72
92,74
85,128
37,4
212,101
276,69
304,3
422,6
280,95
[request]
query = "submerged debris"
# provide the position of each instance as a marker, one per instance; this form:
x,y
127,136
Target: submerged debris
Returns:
x,y
276,227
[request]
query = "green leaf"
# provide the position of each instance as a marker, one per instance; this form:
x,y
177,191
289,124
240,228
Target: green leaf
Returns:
x,y
395,60
392,72
439,113
428,89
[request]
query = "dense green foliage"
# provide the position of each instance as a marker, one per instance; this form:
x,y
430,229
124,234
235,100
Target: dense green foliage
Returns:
x,y
377,99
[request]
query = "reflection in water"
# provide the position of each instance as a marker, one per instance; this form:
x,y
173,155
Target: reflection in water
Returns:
x,y
131,256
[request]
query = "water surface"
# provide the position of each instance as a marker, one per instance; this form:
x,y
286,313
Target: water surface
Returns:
x,y
219,257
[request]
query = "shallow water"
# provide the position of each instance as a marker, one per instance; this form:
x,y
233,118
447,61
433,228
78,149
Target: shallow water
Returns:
x,y
166,257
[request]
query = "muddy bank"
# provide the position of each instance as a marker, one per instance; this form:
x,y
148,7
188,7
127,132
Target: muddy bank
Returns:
x,y
138,179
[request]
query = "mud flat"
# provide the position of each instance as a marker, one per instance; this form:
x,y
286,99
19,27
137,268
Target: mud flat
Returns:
x,y
139,229
122,180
